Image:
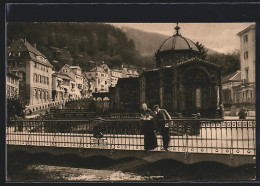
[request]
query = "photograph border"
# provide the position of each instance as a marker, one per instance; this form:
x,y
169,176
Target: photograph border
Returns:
x,y
134,12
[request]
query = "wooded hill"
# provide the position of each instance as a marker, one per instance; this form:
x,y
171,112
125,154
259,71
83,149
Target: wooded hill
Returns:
x,y
79,43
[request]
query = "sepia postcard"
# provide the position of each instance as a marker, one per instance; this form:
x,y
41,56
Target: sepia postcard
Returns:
x,y
130,102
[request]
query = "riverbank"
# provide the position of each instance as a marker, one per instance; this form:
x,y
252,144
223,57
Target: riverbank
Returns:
x,y
23,166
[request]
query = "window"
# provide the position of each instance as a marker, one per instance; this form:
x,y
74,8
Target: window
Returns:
x,y
245,38
47,81
39,78
42,95
246,55
39,94
35,93
246,69
8,90
34,77
16,54
198,98
65,70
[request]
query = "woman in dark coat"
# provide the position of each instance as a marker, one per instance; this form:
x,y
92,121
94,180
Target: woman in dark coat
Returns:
x,y
150,139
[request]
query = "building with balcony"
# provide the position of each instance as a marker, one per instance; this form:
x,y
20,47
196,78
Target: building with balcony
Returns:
x,y
244,94
34,72
77,85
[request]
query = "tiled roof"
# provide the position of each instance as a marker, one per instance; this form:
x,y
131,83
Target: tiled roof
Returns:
x,y
22,45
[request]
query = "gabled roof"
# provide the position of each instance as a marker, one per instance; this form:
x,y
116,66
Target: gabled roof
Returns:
x,y
21,45
66,65
233,77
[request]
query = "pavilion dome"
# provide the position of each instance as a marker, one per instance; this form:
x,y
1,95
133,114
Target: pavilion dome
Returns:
x,y
178,42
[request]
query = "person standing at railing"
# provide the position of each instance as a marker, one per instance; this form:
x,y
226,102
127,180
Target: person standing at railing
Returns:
x,y
150,139
242,113
163,117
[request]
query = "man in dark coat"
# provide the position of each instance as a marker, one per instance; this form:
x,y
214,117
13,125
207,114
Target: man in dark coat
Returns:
x,y
163,117
242,113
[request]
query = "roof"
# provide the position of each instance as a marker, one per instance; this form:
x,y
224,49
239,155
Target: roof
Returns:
x,y
124,80
70,67
192,60
75,67
63,76
21,45
246,29
233,77
178,42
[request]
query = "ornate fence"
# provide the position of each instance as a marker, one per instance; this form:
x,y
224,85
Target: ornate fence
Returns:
x,y
186,135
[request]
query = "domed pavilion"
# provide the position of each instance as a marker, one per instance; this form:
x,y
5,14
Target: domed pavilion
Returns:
x,y
182,83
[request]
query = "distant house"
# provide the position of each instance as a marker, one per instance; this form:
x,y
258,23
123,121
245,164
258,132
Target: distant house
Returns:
x,y
100,75
228,93
129,71
74,72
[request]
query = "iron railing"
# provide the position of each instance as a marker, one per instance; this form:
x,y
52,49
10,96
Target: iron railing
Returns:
x,y
186,135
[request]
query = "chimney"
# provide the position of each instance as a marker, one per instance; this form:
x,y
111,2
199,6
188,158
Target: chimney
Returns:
x,y
34,45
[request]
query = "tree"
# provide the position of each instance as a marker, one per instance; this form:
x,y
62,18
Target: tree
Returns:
x,y
202,50
15,107
228,62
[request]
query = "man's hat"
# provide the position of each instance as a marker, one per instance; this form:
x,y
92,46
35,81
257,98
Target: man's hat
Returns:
x,y
155,106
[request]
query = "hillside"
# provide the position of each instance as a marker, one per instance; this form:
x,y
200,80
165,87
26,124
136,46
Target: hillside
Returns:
x,y
79,43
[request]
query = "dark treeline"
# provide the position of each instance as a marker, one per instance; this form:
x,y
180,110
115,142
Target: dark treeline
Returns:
x,y
228,62
79,43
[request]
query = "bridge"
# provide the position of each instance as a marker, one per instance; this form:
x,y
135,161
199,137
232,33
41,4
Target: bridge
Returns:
x,y
231,142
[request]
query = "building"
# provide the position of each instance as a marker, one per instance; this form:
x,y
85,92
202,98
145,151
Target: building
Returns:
x,y
12,85
115,75
100,75
149,84
228,93
34,72
125,96
129,71
182,83
244,95
74,72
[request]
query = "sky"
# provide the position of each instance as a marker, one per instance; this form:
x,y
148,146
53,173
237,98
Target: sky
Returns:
x,y
220,37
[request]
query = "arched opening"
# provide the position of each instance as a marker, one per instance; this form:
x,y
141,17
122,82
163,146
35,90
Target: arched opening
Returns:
x,y
197,94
